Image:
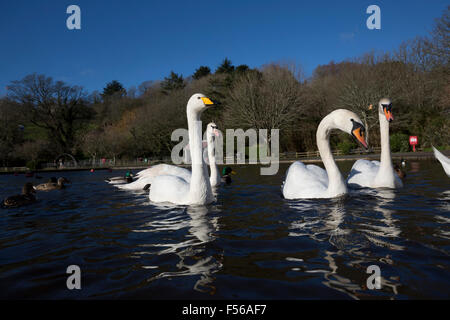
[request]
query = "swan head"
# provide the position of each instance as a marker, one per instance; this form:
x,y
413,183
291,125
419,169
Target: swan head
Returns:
x,y
212,130
199,103
348,121
385,107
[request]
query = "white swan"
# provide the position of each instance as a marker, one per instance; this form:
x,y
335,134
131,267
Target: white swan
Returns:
x,y
445,162
307,182
170,188
146,176
376,174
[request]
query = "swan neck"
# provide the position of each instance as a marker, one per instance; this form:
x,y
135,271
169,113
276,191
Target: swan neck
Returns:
x,y
215,176
385,158
199,188
336,183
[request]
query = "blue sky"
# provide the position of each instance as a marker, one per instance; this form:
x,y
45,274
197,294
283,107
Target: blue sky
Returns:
x,y
134,41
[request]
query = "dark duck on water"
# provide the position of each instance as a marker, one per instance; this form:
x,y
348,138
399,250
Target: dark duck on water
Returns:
x,y
27,197
53,184
226,175
128,178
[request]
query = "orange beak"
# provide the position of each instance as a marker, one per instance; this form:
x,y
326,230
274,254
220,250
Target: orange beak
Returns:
x,y
388,114
360,136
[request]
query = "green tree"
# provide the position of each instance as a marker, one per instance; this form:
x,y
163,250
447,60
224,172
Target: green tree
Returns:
x,y
11,130
242,68
113,89
173,82
201,72
225,67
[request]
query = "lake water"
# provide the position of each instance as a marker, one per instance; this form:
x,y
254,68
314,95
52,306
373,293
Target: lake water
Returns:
x,y
250,244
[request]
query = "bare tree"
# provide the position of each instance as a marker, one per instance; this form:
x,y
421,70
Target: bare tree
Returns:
x,y
53,106
268,99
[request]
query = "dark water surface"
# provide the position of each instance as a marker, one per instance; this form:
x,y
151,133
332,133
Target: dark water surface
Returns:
x,y
250,244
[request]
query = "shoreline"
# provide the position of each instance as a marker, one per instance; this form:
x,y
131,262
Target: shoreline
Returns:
x,y
373,156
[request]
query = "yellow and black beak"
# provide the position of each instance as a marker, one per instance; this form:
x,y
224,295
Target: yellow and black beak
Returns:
x,y
209,102
358,132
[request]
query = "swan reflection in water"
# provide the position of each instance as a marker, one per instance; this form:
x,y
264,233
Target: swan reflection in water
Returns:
x,y
379,228
443,219
190,248
350,235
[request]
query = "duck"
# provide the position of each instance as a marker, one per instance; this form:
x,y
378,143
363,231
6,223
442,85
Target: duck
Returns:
x,y
377,174
445,162
128,178
226,175
146,176
27,197
53,184
197,191
312,182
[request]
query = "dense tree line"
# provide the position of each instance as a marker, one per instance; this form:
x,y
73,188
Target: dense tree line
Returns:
x,y
41,118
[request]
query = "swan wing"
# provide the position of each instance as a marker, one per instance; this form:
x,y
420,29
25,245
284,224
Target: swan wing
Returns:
x,y
363,173
445,162
165,169
320,173
167,188
148,175
305,182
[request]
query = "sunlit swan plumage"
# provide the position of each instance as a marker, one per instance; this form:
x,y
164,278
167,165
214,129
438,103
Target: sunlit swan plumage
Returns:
x,y
445,162
147,176
173,189
310,181
376,174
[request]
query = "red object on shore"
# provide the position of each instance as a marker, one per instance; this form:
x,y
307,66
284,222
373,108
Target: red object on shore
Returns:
x,y
413,141
92,170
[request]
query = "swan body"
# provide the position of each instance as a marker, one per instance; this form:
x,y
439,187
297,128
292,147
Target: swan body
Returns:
x,y
155,171
147,176
176,190
445,162
377,174
310,181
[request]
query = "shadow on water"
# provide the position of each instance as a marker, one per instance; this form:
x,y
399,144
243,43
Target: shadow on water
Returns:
x,y
249,244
